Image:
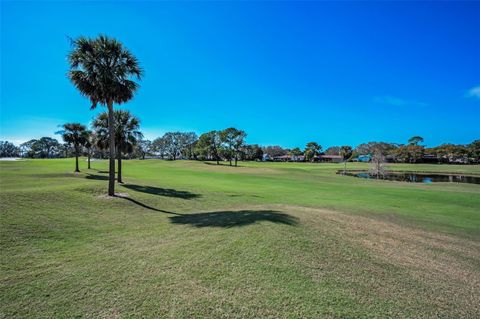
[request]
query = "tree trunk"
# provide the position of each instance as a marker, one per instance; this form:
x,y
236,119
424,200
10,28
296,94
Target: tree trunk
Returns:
x,y
76,160
111,168
88,159
235,160
119,172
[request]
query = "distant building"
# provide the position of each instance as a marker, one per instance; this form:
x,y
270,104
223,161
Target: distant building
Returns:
x,y
289,158
266,158
364,158
331,158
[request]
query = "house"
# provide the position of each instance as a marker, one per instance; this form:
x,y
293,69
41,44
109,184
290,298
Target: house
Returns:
x,y
364,158
331,158
289,158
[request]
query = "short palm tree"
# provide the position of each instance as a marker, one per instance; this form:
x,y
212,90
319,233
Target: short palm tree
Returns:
x,y
89,143
76,135
346,153
127,134
102,69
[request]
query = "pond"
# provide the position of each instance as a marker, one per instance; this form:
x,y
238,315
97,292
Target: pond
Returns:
x,y
414,177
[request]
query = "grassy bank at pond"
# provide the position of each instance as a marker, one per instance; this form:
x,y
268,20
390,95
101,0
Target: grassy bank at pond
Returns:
x,y
193,239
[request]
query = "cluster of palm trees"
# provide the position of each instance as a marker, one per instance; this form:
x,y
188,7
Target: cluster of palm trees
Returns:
x,y
126,133
127,136
103,70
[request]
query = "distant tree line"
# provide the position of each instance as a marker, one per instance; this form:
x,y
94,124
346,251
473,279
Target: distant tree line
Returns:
x,y
414,152
222,145
411,152
228,144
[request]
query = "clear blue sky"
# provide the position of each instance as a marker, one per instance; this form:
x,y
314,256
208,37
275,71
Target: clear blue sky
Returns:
x,y
285,72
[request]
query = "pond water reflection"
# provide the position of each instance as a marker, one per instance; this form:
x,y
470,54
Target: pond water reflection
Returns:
x,y
416,177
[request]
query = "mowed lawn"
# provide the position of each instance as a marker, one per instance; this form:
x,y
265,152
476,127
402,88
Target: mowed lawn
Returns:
x,y
263,240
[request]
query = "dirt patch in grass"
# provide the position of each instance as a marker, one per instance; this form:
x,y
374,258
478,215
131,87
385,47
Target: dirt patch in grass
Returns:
x,y
117,196
409,266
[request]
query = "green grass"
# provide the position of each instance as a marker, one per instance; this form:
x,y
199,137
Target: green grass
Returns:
x,y
195,240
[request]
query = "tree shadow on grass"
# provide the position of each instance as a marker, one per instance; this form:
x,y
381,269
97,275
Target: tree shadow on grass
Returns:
x,y
221,164
227,219
96,177
146,206
168,192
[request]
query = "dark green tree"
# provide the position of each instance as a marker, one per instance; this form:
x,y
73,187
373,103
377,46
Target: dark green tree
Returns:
x,y
474,151
208,146
233,140
143,148
312,149
415,140
8,149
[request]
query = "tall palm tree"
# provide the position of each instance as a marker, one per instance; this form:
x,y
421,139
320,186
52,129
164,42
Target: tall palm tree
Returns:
x,y
127,134
102,69
76,135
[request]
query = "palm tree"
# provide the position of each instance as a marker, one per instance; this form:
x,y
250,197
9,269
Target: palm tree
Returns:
x,y
126,130
346,152
102,70
89,142
75,134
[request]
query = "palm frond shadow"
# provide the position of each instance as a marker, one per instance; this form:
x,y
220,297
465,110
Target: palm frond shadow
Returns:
x,y
167,192
96,177
228,219
146,206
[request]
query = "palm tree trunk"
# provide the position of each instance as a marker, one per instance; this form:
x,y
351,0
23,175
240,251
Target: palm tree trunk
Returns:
x,y
76,160
119,159
111,169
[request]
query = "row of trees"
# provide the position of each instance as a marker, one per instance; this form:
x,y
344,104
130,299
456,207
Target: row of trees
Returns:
x,y
228,144
414,152
311,151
